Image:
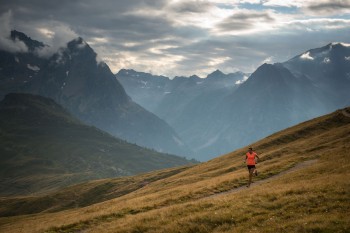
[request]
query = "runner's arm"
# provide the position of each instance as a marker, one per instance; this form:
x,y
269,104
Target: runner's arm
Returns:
x,y
257,158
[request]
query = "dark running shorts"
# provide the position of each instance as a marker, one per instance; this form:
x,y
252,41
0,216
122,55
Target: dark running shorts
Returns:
x,y
250,166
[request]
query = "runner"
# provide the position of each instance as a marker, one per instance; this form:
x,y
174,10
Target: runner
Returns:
x,y
250,160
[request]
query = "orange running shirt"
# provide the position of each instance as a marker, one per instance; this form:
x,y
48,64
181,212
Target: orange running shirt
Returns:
x,y
251,158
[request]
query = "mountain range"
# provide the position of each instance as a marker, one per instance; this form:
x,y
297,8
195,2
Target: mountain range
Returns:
x,y
175,100
154,92
197,117
74,78
215,118
43,147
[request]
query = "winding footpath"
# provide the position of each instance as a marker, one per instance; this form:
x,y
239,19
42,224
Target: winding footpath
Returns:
x,y
295,168
85,225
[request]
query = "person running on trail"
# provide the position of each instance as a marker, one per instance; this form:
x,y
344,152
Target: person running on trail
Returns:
x,y
250,160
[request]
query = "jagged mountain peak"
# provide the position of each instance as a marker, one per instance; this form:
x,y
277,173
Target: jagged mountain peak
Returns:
x,y
139,76
228,80
322,54
78,43
29,42
77,51
339,44
194,77
333,56
269,74
75,78
269,68
216,74
328,67
126,71
217,71
79,47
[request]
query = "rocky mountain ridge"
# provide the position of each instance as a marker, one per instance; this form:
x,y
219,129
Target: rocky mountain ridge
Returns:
x,y
75,78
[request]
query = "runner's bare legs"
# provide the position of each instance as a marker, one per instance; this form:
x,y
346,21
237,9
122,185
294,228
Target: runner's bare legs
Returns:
x,y
251,172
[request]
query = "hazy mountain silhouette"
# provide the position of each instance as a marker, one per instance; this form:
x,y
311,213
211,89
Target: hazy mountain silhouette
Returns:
x,y
184,102
216,120
211,115
87,88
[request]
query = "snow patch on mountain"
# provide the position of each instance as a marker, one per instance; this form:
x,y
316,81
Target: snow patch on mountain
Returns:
x,y
326,60
33,68
341,43
306,56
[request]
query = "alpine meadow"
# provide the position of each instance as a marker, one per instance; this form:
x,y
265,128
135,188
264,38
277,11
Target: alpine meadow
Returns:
x,y
174,116
211,196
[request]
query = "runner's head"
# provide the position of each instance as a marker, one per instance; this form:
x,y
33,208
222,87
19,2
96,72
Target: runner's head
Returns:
x,y
250,149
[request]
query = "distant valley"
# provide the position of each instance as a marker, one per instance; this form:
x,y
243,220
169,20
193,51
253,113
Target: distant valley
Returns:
x,y
222,112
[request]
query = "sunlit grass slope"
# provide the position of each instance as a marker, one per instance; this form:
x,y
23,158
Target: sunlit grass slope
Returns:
x,y
315,198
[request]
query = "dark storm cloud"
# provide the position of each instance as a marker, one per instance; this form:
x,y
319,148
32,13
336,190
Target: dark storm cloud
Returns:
x,y
244,20
135,27
90,17
176,37
90,8
222,53
329,7
117,21
190,7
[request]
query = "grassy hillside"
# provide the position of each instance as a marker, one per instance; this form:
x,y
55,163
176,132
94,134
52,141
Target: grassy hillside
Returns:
x,y
313,198
42,147
81,195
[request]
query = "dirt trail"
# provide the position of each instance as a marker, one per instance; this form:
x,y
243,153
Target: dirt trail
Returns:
x,y
295,168
299,166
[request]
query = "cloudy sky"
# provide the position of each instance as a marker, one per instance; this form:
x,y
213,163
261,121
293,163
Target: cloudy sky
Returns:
x,y
183,37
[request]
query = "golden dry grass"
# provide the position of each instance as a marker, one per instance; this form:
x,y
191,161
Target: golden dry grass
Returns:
x,y
311,199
